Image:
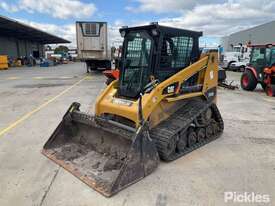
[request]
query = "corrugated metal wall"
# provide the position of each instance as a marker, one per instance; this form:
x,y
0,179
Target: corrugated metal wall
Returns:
x,y
8,46
16,48
263,34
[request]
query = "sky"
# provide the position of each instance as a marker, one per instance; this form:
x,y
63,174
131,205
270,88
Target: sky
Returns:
x,y
216,18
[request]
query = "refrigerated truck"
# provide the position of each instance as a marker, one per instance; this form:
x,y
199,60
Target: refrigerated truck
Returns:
x,y
92,45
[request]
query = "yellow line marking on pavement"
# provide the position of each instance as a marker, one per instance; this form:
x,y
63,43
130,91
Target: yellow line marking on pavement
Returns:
x,y
26,116
269,100
65,77
38,77
13,78
89,77
49,78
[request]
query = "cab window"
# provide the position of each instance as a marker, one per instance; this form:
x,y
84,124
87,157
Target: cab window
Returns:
x,y
268,56
175,55
258,56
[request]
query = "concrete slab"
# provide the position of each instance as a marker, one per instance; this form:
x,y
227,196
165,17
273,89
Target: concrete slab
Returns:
x,y
242,160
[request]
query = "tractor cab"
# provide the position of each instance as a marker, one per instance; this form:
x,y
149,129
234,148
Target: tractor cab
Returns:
x,y
261,58
262,62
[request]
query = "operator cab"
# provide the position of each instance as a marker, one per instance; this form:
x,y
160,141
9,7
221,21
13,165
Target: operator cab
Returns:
x,y
154,53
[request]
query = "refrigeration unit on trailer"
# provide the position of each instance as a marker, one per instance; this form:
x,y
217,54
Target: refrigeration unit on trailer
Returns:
x,y
92,45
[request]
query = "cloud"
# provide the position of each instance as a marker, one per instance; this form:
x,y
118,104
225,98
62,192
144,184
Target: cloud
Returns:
x,y
215,18
114,38
222,19
62,9
67,31
7,7
169,5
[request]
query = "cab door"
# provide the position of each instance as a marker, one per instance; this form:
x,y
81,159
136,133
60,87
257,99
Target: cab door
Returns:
x,y
259,61
175,55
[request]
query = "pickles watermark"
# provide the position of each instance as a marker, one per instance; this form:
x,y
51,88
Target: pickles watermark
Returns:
x,y
246,197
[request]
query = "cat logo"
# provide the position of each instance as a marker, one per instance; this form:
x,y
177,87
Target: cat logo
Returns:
x,y
171,89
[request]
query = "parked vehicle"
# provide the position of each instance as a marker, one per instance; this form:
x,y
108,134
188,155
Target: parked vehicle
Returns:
x,y
92,45
261,69
163,105
228,58
237,59
238,65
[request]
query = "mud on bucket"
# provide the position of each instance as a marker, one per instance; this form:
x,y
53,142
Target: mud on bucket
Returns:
x,y
104,160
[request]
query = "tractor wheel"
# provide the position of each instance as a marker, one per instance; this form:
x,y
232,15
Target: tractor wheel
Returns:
x,y
248,81
270,90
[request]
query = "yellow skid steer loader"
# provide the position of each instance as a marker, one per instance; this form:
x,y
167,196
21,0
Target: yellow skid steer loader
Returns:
x,y
163,106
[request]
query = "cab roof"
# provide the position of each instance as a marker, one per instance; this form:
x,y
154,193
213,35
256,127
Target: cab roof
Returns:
x,y
262,45
163,30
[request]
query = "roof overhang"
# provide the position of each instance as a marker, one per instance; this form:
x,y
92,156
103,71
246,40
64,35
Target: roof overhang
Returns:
x,y
13,28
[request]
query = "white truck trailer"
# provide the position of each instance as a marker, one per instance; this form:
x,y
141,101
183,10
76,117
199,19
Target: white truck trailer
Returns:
x,y
92,45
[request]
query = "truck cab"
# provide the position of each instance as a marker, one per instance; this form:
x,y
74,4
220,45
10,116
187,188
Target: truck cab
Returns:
x,y
237,59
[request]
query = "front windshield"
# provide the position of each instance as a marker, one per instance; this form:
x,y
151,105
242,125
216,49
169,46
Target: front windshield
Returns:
x,y
136,60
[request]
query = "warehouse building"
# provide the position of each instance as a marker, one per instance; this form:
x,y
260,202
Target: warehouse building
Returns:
x,y
20,40
262,34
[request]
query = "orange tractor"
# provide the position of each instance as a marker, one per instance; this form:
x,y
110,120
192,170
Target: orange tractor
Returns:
x,y
261,69
270,80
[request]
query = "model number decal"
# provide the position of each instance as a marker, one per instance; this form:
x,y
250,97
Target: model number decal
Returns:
x,y
122,102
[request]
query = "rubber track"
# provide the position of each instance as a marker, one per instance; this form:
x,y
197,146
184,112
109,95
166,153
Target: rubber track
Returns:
x,y
180,122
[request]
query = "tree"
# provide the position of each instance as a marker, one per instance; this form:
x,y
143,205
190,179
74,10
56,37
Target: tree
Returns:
x,y
61,49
